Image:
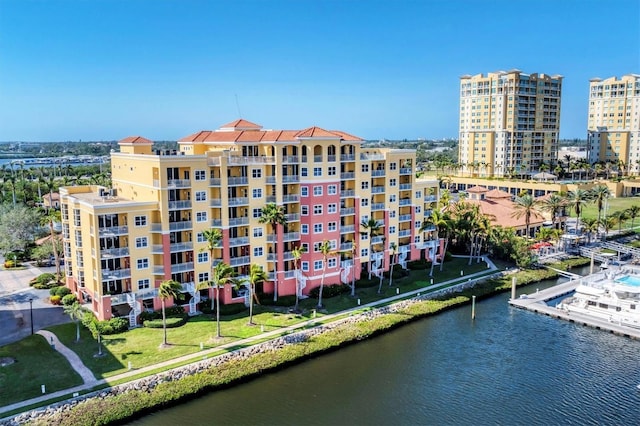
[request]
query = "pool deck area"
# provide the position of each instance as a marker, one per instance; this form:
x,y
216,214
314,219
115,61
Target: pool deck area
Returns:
x,y
536,302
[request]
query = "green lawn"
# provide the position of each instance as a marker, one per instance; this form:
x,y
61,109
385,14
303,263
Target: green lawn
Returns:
x,y
140,346
614,204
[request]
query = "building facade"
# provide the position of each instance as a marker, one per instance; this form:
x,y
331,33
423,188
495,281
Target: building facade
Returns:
x,y
122,242
613,124
509,123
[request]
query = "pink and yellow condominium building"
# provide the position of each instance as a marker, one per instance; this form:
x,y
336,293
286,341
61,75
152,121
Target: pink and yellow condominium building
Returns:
x,y
122,242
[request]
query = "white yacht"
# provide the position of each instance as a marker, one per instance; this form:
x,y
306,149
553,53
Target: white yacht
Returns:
x,y
612,295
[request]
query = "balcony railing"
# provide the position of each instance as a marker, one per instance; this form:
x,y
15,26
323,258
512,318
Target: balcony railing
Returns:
x,y
290,179
181,267
404,218
405,202
377,239
237,160
238,201
377,206
347,193
317,158
238,221
404,233
346,246
377,190
114,252
180,226
372,157
271,257
214,182
179,183
347,211
236,181
347,157
113,231
158,270
179,205
216,223
346,229
347,176
290,236
293,217
377,173
291,198
430,198
239,241
271,179
215,203
405,171
290,159
157,249
178,247
271,198
117,274
405,187
239,261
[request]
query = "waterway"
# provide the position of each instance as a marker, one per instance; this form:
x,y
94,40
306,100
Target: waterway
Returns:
x,y
509,366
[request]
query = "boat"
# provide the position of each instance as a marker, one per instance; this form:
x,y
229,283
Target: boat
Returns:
x,y
612,295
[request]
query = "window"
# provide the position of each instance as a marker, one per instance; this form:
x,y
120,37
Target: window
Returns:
x,y
317,228
145,283
392,214
200,175
332,208
201,216
364,202
140,221
392,166
257,232
257,213
305,266
365,168
364,252
418,194
316,247
392,198
418,209
333,244
141,242
416,239
203,257
364,185
304,191
317,209
418,224
331,171
256,193
200,237
304,210
143,263
392,182
332,226
304,228
317,265
258,251
331,263
317,171
317,191
364,237
203,277
304,172
392,229
305,247
256,173
332,190
201,196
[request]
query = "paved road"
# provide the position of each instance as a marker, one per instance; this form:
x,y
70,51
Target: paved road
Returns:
x,y
15,309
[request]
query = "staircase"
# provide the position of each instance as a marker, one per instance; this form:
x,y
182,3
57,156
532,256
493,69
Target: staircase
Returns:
x,y
136,309
195,298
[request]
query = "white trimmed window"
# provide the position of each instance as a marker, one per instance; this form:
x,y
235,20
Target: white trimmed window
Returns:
x,y
305,247
304,228
203,257
332,190
392,182
257,232
365,168
143,263
392,198
257,213
332,208
392,229
143,284
364,252
304,191
304,172
392,214
317,191
332,226
258,251
304,210
201,195
201,216
317,171
140,221
142,242
317,265
364,185
331,171
317,228
364,202
256,193
316,247
305,266
200,175
331,263
203,277
392,166
200,237
317,209
256,173
418,194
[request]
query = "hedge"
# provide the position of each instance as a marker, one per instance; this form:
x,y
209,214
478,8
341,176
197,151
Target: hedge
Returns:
x,y
171,322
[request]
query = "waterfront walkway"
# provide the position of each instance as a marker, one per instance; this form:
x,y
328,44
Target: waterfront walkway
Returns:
x,y
90,381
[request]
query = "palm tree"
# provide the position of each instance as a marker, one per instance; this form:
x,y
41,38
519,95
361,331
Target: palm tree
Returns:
x,y
577,199
325,250
371,229
222,275
168,289
393,247
553,205
607,224
274,215
600,194
47,220
620,216
354,250
525,206
633,212
591,226
297,255
256,276
76,313
213,237
440,220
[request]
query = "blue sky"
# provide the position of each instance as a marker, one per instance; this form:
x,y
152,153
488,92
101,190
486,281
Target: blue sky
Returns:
x,y
104,70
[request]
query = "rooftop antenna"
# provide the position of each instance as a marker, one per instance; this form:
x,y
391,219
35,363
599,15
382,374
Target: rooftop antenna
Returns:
x,y
238,106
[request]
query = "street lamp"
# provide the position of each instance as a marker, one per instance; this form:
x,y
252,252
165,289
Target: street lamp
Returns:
x,y
31,313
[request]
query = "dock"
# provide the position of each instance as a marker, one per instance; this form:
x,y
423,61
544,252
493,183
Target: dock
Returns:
x,y
536,302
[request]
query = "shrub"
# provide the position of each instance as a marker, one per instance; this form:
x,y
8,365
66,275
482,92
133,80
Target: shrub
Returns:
x,y
171,311
55,300
115,325
43,278
59,290
330,291
171,322
69,300
267,299
9,264
366,282
232,308
150,316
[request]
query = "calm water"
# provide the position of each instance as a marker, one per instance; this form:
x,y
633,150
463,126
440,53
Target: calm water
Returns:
x,y
508,367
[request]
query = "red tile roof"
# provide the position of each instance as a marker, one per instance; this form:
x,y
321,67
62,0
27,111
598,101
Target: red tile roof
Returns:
x,y
138,140
496,193
316,132
241,124
501,210
477,189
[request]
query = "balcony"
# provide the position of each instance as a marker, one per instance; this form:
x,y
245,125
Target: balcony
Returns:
x,y
157,249
178,247
237,160
290,179
293,217
290,236
114,252
405,202
346,246
176,268
240,261
158,270
404,218
271,180
238,181
404,248
377,239
216,203
113,231
347,229
404,233
347,211
180,226
377,173
377,206
346,263
317,159
238,221
406,171
372,157
430,198
271,257
271,198
348,157
347,176
179,205
214,182
118,274
179,183
347,193
216,223
377,189
291,198
429,228
239,241
290,159
405,187
238,201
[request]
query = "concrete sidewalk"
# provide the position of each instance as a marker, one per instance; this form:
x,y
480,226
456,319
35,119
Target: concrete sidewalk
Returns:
x,y
77,364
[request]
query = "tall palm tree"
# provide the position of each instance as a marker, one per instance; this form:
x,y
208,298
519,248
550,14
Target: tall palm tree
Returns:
x,y
554,205
297,253
440,220
392,247
607,224
354,251
257,275
168,289
577,199
633,212
275,216
222,275
213,237
325,250
600,194
47,220
76,312
525,206
591,226
620,216
371,229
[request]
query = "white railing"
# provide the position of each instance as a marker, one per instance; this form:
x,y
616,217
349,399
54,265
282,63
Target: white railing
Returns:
x,y
345,229
347,193
235,181
405,171
214,182
377,189
404,218
377,206
405,202
239,241
115,252
181,267
113,230
237,221
117,274
179,183
177,247
292,198
347,157
179,226
239,261
377,173
347,175
239,201
347,211
179,205
371,157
